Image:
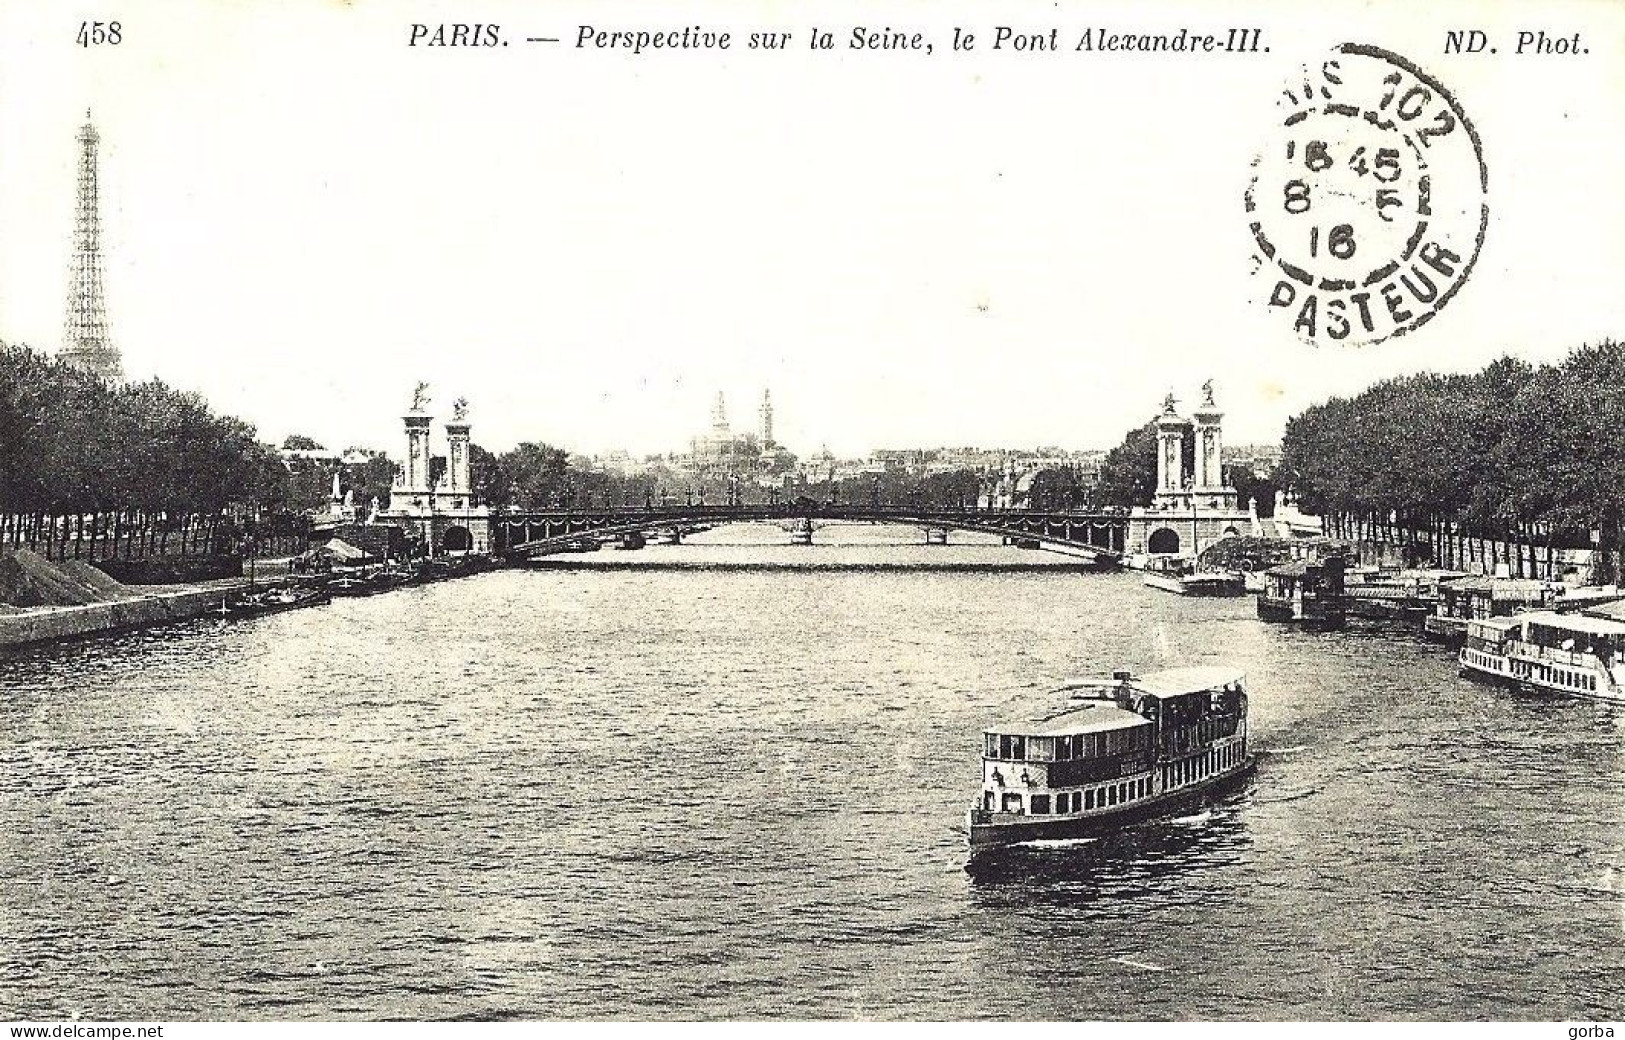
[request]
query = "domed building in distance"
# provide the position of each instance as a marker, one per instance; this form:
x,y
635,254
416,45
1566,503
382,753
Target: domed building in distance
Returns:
x,y
720,454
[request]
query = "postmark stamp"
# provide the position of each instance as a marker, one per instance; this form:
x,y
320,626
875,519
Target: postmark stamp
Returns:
x,y
1369,204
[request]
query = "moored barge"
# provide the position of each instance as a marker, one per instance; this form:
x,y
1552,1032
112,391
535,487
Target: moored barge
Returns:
x,y
1182,578
1304,592
1479,597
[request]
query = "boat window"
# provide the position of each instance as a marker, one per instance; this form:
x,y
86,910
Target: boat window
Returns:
x,y
1012,802
992,745
987,800
1063,749
1040,805
1041,749
1011,747
1089,799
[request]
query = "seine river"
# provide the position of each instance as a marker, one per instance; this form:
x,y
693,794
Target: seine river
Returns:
x,y
740,793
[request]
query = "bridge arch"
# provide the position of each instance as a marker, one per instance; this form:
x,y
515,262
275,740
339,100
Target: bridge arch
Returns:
x,y
456,538
1163,540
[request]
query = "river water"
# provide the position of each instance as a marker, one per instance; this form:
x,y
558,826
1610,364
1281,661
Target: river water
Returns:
x,y
739,793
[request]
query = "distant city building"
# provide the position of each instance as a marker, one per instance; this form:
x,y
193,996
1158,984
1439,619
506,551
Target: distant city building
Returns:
x,y
721,454
326,457
619,462
293,457
1262,459
765,415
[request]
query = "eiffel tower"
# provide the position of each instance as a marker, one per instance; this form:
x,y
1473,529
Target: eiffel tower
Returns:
x,y
86,341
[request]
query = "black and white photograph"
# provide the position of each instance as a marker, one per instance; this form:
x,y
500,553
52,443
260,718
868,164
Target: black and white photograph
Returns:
x,y
883,512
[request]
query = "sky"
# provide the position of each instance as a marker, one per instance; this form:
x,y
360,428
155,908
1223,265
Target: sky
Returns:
x,y
304,216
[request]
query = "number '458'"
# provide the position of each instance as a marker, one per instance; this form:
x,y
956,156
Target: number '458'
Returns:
x,y
92,34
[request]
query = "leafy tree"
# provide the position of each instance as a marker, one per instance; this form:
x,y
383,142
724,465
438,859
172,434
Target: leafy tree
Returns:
x,y
371,479
1251,488
1128,476
538,475
89,469
1511,452
490,482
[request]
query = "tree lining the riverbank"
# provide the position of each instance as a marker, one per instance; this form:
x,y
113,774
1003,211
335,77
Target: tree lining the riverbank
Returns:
x,y
93,470
1526,454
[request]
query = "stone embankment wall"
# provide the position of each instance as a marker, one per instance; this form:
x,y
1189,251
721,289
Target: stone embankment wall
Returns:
x,y
43,600
48,624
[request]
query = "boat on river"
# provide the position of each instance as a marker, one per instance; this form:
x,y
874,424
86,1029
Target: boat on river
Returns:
x,y
1576,654
275,601
1478,597
1304,592
1121,749
357,584
1181,577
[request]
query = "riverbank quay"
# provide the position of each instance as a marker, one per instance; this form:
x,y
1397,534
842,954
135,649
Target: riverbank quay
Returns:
x,y
126,608
150,607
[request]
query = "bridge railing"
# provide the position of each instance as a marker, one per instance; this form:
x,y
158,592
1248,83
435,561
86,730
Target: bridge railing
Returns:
x,y
1101,532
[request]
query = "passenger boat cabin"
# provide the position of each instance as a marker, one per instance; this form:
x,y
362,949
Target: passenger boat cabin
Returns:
x,y
1306,591
1565,653
1119,742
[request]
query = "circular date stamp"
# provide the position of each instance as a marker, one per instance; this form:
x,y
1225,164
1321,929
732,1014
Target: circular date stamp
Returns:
x,y
1369,204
